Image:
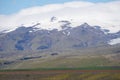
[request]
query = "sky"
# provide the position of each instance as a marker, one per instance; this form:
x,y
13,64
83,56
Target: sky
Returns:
x,y
12,6
16,13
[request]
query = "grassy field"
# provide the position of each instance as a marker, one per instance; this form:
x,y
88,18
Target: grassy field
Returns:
x,y
79,58
101,64
61,75
67,61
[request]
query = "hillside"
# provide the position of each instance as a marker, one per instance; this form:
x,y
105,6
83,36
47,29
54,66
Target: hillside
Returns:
x,y
79,58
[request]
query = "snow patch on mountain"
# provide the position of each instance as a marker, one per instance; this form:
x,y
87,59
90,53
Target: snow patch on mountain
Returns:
x,y
114,41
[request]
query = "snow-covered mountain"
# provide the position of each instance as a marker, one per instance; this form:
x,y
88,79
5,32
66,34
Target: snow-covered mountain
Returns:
x,y
35,38
60,27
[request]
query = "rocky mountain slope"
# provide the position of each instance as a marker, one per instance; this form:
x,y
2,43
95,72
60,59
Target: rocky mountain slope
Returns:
x,y
35,39
32,43
32,38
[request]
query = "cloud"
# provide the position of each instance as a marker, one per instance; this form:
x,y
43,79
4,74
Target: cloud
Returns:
x,y
106,15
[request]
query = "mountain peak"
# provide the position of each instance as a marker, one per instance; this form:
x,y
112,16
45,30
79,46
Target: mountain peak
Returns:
x,y
85,25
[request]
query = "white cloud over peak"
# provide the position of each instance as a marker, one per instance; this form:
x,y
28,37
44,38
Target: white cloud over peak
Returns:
x,y
106,15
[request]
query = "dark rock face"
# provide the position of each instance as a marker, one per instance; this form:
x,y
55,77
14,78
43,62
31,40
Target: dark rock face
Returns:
x,y
27,38
27,58
81,45
53,19
45,43
19,47
54,54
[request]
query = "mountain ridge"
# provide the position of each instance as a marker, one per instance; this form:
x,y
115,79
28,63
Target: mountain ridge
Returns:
x,y
33,38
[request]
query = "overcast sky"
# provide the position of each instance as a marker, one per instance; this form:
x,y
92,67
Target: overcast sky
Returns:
x,y
14,13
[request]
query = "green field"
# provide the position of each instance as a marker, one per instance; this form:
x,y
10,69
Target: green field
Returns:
x,y
60,75
67,61
73,59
